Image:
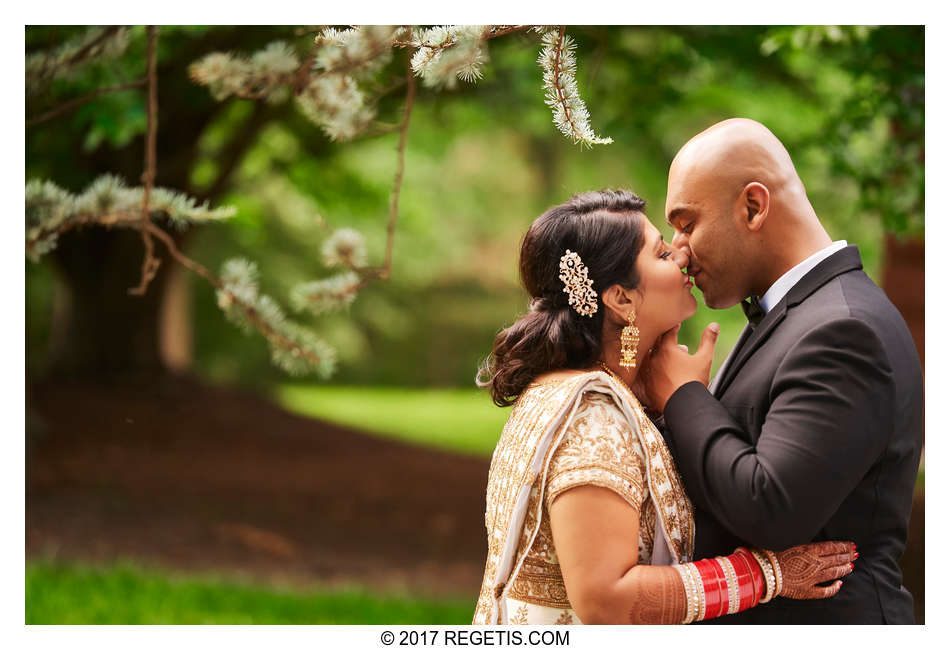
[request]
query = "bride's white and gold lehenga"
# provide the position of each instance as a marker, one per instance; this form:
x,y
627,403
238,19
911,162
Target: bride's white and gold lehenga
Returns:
x,y
586,429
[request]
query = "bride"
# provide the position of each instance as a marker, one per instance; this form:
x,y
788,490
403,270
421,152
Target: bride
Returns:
x,y
586,516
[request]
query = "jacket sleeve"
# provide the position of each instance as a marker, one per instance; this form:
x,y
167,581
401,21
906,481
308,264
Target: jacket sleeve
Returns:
x,y
829,419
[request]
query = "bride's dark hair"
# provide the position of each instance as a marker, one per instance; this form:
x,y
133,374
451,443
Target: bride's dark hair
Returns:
x,y
605,229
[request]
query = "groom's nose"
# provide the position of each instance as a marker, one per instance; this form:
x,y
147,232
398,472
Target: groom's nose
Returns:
x,y
681,255
679,240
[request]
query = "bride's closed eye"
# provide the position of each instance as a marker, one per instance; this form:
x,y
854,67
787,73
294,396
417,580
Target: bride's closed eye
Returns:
x,y
665,254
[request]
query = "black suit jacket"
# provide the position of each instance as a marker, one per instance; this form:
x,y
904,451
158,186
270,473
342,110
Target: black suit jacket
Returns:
x,y
813,432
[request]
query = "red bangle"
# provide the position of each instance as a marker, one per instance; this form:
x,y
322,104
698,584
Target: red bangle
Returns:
x,y
710,587
758,579
744,578
754,574
723,587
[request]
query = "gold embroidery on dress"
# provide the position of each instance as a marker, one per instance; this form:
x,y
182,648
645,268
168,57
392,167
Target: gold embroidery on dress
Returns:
x,y
521,617
597,449
594,447
565,619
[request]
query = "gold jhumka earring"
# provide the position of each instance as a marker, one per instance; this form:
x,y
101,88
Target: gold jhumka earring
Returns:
x,y
629,340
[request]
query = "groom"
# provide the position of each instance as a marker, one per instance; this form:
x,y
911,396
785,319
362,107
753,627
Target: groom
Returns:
x,y
812,429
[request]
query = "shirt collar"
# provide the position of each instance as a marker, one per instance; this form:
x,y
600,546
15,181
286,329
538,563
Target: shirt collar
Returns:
x,y
791,277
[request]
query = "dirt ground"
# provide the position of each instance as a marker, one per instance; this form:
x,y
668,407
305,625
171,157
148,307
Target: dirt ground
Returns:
x,y
188,476
182,475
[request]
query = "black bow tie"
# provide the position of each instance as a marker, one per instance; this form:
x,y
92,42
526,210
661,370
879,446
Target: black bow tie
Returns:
x,y
753,310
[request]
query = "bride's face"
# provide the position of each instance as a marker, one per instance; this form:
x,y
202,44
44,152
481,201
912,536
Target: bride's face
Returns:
x,y
664,286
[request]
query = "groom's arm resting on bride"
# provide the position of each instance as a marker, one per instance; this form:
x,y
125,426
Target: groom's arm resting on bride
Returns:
x,y
592,528
829,419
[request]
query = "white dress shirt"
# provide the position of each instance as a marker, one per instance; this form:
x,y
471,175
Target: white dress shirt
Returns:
x,y
791,277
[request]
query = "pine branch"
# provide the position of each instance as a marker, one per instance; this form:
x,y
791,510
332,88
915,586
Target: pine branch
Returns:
x,y
445,54
251,312
558,75
107,219
494,32
570,113
151,263
504,31
52,211
302,78
380,43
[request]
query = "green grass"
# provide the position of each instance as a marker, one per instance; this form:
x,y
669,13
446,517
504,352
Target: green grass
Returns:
x,y
459,420
125,594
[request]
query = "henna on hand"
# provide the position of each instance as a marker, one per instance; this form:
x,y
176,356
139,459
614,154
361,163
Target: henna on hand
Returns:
x,y
804,567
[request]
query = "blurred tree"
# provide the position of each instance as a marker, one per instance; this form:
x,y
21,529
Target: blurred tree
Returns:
x,y
336,85
264,157
103,331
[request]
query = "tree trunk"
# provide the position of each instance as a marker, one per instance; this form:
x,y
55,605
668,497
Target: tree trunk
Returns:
x,y
176,332
903,282
99,329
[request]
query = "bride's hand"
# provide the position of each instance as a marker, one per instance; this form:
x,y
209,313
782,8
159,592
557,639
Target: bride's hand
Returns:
x,y
803,567
671,365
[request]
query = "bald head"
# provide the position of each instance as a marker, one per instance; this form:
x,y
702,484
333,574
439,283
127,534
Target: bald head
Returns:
x,y
736,152
739,210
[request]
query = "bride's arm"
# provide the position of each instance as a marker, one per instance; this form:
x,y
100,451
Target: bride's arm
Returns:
x,y
593,528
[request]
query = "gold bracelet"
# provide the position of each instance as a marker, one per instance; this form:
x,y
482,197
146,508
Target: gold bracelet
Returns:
x,y
773,559
768,573
690,589
701,591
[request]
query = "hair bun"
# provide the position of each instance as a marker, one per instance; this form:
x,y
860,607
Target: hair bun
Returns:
x,y
540,303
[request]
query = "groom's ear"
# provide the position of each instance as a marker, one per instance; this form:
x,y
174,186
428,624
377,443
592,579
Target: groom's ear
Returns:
x,y
755,202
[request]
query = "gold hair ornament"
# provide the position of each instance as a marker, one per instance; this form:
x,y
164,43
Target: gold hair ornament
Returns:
x,y
578,287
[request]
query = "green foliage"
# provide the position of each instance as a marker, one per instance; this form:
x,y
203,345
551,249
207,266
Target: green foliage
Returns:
x,y
126,594
460,420
872,81
483,161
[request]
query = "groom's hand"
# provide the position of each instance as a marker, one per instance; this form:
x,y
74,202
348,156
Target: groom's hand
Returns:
x,y
671,365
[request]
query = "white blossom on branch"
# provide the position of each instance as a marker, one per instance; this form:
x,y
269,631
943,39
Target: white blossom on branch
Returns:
x,y
345,247
336,103
267,74
560,86
294,348
448,53
291,360
109,202
322,296
359,52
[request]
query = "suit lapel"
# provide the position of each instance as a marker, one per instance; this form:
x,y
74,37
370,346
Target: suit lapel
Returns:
x,y
724,368
751,343
843,261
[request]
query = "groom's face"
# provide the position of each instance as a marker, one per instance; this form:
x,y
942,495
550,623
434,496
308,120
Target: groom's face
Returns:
x,y
703,216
